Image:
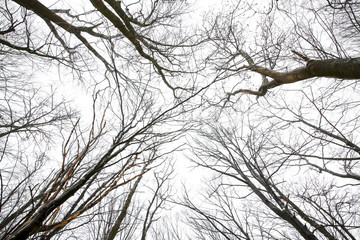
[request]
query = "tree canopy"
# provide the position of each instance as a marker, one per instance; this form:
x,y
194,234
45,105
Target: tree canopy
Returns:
x,y
138,120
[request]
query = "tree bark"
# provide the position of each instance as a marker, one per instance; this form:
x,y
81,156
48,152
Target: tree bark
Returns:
x,y
335,68
115,228
331,68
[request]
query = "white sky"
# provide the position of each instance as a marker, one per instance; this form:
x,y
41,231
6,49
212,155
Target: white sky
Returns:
x,y
81,99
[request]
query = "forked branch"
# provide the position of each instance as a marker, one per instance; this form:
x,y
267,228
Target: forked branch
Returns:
x,y
348,68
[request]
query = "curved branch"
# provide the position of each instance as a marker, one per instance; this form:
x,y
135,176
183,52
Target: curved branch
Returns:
x,y
261,91
348,68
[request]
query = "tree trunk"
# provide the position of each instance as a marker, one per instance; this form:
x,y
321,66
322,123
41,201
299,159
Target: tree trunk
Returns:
x,y
348,68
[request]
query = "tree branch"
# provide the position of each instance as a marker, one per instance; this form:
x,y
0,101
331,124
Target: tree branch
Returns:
x,y
330,68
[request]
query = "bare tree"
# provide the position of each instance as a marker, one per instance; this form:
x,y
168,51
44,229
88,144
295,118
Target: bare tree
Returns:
x,y
143,33
145,214
252,166
92,167
89,162
284,166
287,32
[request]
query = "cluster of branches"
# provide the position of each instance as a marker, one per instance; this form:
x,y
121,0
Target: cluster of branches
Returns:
x,y
63,173
234,59
261,165
40,199
286,167
62,178
128,31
